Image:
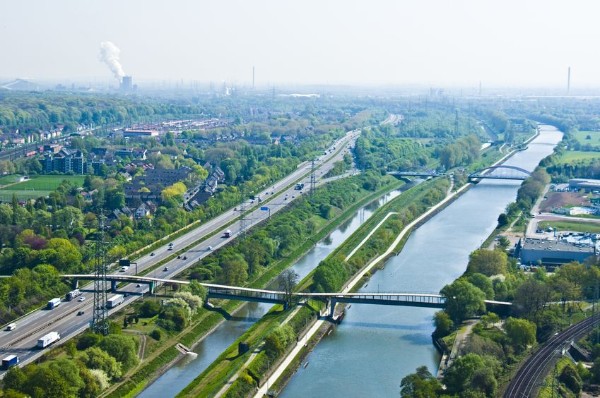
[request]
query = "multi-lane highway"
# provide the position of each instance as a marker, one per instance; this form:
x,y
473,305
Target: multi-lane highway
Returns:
x,y
72,317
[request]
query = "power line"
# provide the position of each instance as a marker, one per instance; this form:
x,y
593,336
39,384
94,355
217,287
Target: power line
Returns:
x,y
100,314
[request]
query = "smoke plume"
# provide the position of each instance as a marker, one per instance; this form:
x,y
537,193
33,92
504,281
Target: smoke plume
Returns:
x,y
109,54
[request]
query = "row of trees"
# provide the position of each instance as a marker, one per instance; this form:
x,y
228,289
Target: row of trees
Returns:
x,y
285,233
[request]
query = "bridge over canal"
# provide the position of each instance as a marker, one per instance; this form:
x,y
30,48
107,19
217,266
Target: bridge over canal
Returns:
x,y
501,172
216,291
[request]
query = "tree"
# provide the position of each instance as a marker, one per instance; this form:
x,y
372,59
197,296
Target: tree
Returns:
x,y
193,301
443,324
571,379
96,358
122,348
287,281
198,290
234,269
531,297
502,220
482,282
62,254
468,373
520,332
463,300
278,340
421,384
488,262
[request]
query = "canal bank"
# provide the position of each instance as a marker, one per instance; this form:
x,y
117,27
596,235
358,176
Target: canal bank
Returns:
x,y
375,347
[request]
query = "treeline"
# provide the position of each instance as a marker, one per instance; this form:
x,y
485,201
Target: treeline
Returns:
x,y
30,112
461,152
380,148
532,188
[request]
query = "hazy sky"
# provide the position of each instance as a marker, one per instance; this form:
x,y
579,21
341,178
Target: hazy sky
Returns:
x,y
432,42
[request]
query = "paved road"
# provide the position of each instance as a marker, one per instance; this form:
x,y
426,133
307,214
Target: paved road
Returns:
x,y
64,318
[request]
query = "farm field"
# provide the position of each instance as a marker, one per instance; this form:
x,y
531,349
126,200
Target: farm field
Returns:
x,y
573,156
35,187
594,139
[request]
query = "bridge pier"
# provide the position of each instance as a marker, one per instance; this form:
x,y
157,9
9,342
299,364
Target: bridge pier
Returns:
x,y
332,304
152,286
113,286
75,284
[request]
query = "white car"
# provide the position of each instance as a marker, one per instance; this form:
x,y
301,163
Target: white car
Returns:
x,y
82,298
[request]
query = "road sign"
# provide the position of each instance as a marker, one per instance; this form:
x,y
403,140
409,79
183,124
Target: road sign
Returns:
x,y
264,208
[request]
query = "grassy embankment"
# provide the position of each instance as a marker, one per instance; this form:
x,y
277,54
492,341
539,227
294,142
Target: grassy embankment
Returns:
x,y
205,321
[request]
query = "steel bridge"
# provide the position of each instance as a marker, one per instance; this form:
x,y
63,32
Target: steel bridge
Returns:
x,y
500,173
217,291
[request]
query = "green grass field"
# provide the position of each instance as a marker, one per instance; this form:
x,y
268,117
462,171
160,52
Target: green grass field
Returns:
x,y
576,226
9,179
581,137
35,187
573,156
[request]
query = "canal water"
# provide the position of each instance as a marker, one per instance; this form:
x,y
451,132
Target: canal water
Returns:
x,y
376,346
177,377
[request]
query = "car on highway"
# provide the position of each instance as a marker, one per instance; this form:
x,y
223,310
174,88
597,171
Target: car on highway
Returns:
x,y
170,248
165,269
80,299
81,312
209,248
151,254
138,285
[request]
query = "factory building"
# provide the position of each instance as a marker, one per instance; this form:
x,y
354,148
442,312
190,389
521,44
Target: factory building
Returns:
x,y
532,251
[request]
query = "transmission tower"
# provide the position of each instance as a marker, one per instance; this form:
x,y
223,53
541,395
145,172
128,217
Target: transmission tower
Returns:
x,y
313,178
243,220
100,314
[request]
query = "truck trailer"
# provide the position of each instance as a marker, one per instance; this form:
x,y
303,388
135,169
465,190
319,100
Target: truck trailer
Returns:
x,y
227,234
48,339
9,361
55,302
114,301
72,294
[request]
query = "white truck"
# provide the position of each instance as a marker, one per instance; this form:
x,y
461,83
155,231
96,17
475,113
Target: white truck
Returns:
x,y
55,302
114,301
48,339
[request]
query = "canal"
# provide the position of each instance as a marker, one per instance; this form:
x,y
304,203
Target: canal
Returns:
x,y
177,377
376,346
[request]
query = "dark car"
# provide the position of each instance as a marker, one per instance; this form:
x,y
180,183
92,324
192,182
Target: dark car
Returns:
x,y
81,312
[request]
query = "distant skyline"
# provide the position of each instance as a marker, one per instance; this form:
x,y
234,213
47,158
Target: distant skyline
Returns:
x,y
513,43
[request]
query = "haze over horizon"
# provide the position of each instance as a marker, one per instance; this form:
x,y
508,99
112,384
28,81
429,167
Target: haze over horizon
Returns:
x,y
432,42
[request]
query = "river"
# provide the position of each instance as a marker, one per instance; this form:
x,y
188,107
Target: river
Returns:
x,y
376,346
177,377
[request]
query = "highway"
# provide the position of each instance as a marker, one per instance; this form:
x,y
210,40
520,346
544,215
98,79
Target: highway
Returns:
x,y
194,246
